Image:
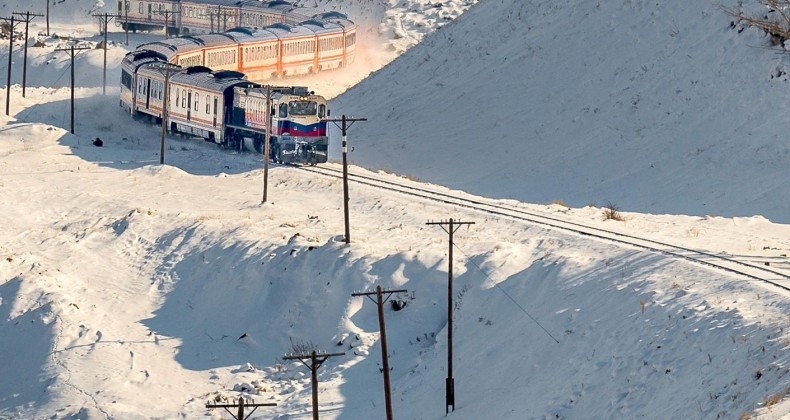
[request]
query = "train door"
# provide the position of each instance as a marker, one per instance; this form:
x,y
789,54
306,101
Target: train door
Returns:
x,y
189,105
215,109
147,93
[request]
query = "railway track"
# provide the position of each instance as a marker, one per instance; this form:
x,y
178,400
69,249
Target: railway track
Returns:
x,y
740,266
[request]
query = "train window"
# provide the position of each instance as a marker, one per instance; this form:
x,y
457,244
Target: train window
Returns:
x,y
197,101
301,107
215,105
208,105
140,9
321,111
177,102
283,110
120,6
183,98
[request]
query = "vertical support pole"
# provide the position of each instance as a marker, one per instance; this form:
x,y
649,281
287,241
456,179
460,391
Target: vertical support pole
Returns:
x,y
345,182
24,64
453,225
72,88
164,117
450,381
10,53
27,17
314,379
241,408
315,362
71,50
345,124
266,140
384,353
104,75
126,22
47,17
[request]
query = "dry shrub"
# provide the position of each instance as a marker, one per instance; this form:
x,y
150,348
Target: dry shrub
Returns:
x,y
612,212
776,398
775,21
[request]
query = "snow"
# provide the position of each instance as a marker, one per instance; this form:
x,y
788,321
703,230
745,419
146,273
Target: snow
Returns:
x,y
133,290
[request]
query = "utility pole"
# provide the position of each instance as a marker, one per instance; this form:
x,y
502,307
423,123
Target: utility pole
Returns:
x,y
27,18
452,226
126,20
11,26
167,70
219,14
316,360
240,405
345,124
105,17
266,139
167,14
384,355
71,50
47,17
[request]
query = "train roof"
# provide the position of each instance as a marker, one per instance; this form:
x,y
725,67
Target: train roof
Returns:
x,y
216,81
246,35
226,3
337,18
170,47
216,39
319,26
283,29
133,60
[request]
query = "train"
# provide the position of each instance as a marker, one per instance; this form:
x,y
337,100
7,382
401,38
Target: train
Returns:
x,y
189,17
225,108
262,39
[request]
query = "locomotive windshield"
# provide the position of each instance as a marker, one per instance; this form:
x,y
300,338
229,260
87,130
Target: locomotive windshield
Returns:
x,y
302,108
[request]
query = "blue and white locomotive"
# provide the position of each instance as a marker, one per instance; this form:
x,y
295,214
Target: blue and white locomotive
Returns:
x,y
225,108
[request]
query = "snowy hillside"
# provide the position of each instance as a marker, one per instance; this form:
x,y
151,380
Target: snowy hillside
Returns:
x,y
656,106
130,290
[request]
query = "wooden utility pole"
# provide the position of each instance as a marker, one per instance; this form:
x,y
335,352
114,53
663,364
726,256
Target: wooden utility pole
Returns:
x,y
266,139
11,26
72,51
345,124
27,18
384,355
47,17
316,360
126,20
240,405
167,70
450,227
105,17
168,14
220,13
